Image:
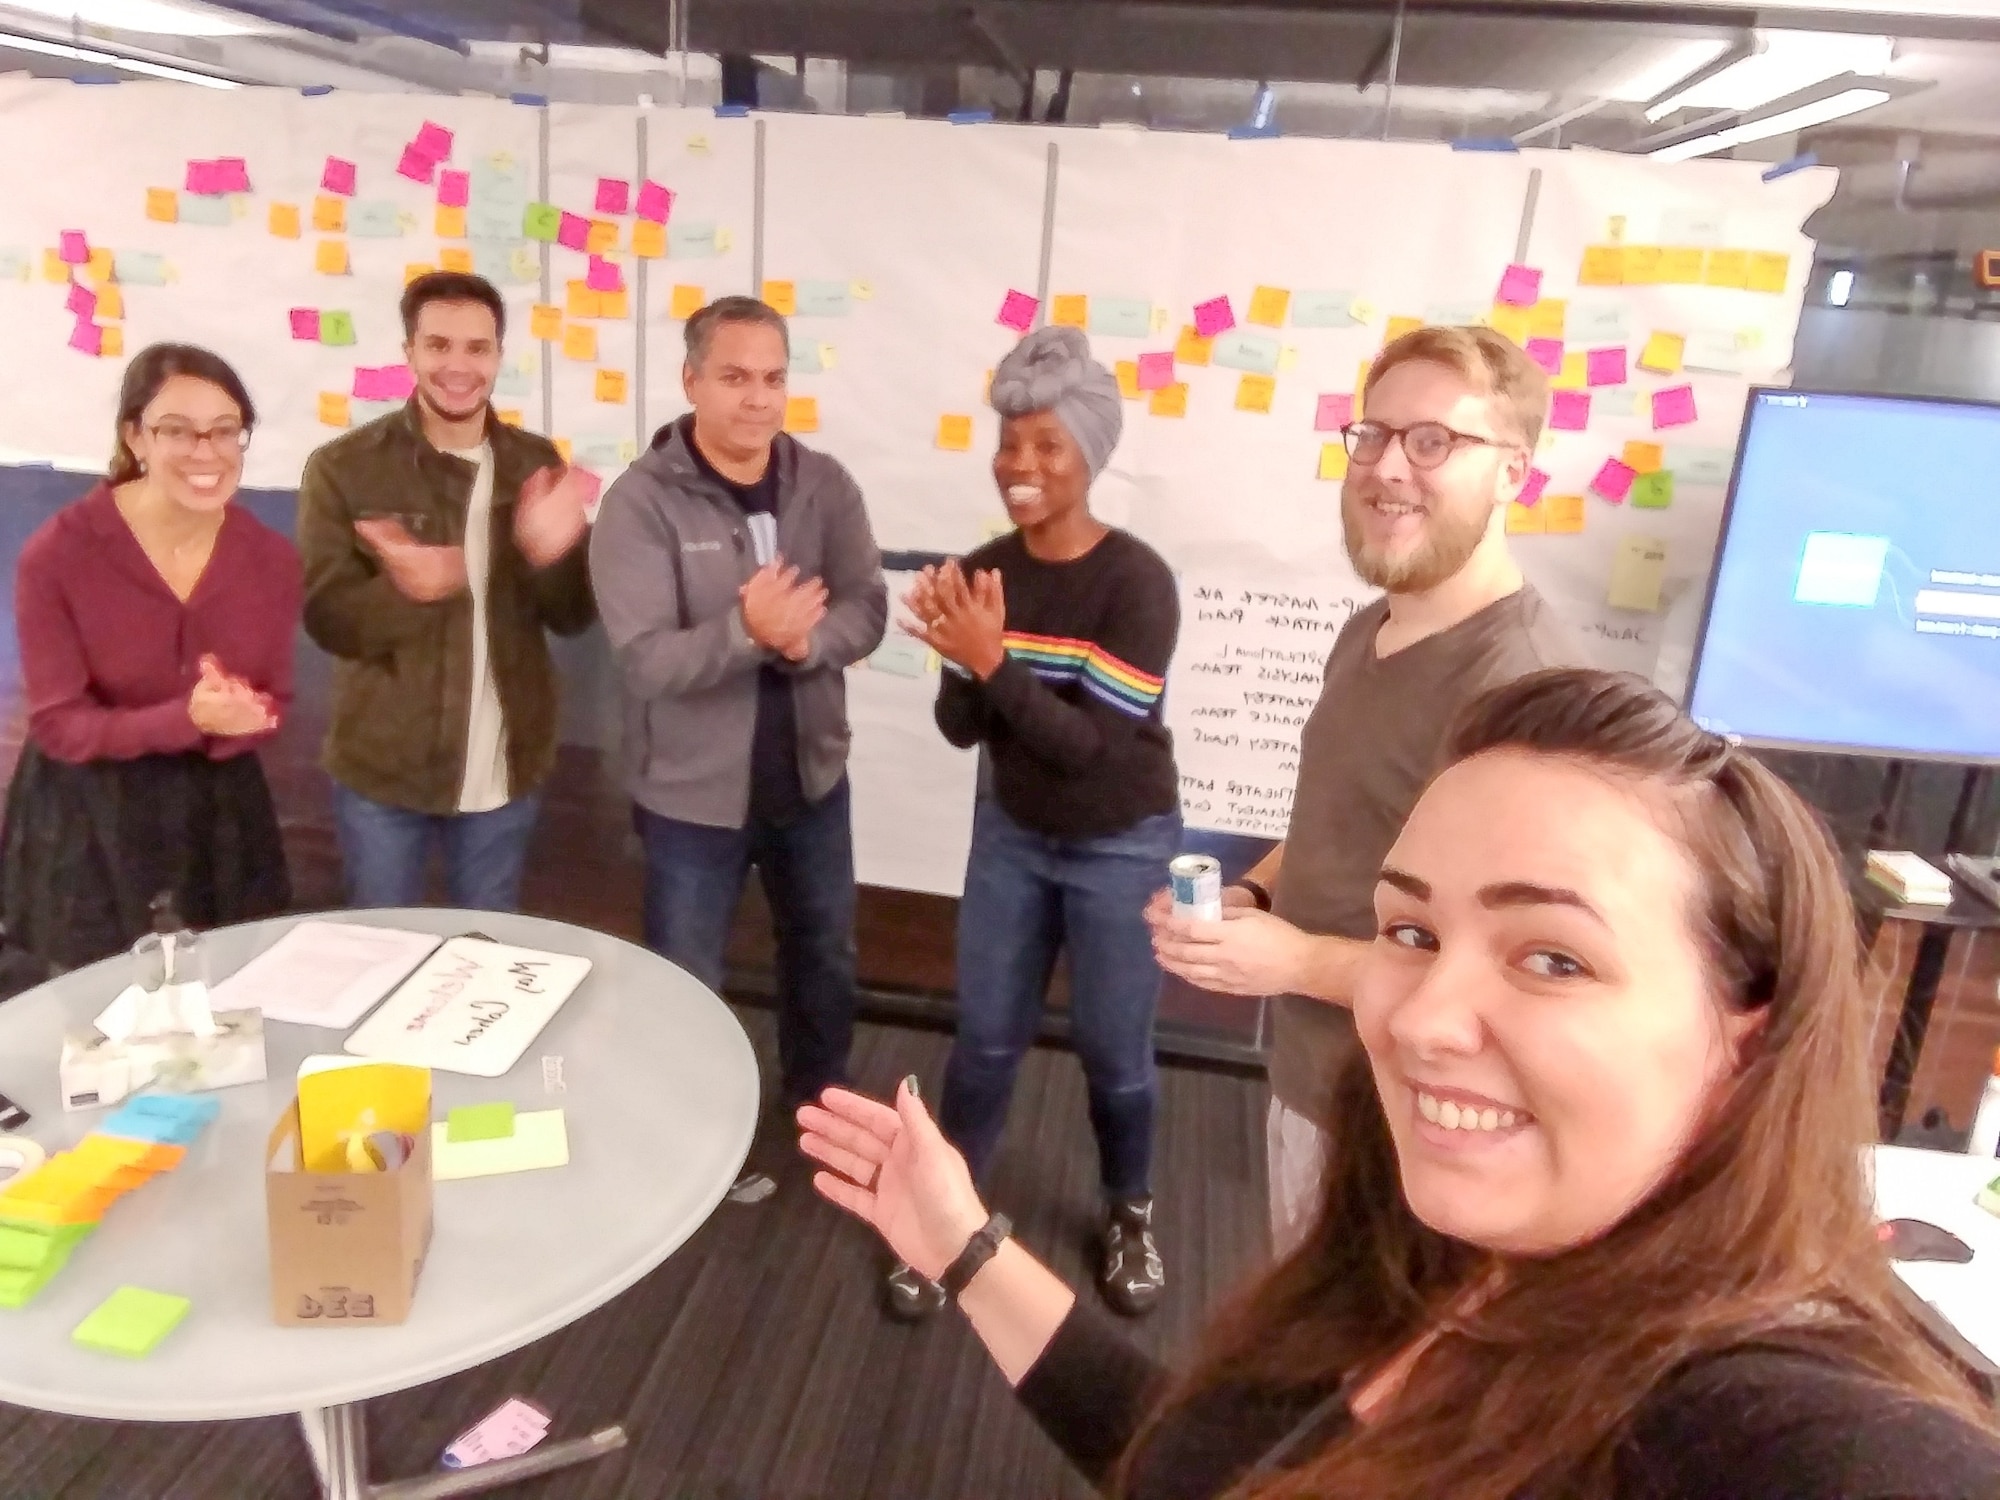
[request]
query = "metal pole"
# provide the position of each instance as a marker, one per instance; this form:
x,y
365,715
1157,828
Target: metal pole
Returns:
x,y
1048,237
1395,61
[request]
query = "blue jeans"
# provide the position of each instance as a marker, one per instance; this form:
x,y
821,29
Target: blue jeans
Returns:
x,y
694,879
1027,895
385,851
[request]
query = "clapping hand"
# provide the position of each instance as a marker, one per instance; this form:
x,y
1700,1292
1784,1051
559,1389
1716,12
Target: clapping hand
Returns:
x,y
227,706
963,620
550,516
419,572
780,609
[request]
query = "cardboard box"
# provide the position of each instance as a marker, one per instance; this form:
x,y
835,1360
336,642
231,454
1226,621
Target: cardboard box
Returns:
x,y
346,1247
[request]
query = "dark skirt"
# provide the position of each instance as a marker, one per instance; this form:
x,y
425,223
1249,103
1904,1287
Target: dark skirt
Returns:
x,y
88,847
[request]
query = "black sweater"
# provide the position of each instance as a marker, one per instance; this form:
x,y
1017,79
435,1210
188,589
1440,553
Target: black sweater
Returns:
x,y
1072,721
1751,1424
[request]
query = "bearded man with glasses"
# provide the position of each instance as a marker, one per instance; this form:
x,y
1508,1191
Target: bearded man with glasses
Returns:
x,y
1452,417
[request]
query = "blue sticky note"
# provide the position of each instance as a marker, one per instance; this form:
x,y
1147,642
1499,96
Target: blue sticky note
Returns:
x,y
1314,309
506,262
214,212
690,241
1239,349
1121,317
373,219
824,299
200,1108
139,268
511,381
13,265
599,453
1693,465
157,1128
806,360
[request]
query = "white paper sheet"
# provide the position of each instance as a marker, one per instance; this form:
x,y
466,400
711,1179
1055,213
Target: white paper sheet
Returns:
x,y
324,973
473,1007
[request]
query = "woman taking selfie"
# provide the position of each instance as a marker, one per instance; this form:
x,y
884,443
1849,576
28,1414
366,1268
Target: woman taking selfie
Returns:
x,y
1600,1226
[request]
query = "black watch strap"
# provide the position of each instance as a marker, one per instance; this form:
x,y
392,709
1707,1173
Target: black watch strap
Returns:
x,y
981,1248
1261,894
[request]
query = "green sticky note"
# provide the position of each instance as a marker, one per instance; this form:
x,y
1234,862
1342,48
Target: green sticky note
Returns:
x,y
26,1247
336,327
1653,491
480,1122
824,299
131,1322
18,1287
539,1140
542,221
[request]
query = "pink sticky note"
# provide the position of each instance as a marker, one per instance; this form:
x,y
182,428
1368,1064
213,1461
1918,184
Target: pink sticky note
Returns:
x,y
74,247
1017,311
1605,366
1214,316
604,275
574,233
454,188
1673,407
513,1428
1520,286
305,324
655,202
1532,487
232,174
416,166
1569,411
433,141
1156,371
82,301
1614,481
87,337
337,177
1548,353
613,195
383,382
1335,412
203,180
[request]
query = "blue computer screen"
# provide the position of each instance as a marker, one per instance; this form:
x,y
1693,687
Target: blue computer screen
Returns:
x,y
1856,597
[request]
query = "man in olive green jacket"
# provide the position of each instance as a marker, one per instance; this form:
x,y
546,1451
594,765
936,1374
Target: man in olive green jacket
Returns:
x,y
439,545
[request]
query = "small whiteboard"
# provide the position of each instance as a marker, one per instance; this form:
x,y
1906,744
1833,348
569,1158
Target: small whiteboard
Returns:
x,y
474,1007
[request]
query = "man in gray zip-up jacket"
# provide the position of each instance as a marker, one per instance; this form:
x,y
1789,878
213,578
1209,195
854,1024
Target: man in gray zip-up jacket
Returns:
x,y
737,578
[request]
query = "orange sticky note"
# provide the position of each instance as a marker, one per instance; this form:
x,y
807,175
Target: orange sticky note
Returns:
x,y
54,267
545,321
163,206
1662,354
1526,520
1191,348
954,433
1603,265
415,269
580,342
565,450
329,214
782,297
1642,265
1681,265
580,301
1565,514
1169,400
1728,268
802,414
1644,458
101,266
614,305
1332,460
603,236
111,343
330,258
333,411
1127,371
1575,374
1070,310
509,415
1769,271
1400,326
1548,318
1268,306
688,300
455,258
1254,392
649,240
1509,322
450,222
110,304
611,386
284,221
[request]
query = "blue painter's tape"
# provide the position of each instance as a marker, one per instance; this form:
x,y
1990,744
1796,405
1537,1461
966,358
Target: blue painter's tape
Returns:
x,y
732,111
1485,143
93,80
1797,164
1253,132
533,101
970,117
316,90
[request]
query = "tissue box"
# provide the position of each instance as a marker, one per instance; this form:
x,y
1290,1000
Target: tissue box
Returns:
x,y
98,1071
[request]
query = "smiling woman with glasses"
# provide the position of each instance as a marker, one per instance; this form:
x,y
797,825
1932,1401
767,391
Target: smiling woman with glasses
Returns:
x,y
156,621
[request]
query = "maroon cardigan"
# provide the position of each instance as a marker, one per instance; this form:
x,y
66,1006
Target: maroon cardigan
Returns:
x,y
109,654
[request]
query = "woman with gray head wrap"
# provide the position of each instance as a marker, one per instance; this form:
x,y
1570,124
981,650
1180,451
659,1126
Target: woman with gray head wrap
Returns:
x,y
1056,639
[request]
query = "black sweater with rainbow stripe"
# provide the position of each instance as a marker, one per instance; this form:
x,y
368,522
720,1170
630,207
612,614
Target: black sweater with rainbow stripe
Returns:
x,y
1072,720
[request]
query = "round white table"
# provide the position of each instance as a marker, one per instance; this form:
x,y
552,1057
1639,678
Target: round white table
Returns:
x,y
658,1085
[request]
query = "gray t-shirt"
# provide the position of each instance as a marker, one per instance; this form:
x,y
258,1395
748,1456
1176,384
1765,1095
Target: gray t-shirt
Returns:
x,y
1370,746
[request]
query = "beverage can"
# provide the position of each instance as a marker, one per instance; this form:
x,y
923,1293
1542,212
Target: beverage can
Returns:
x,y
1196,880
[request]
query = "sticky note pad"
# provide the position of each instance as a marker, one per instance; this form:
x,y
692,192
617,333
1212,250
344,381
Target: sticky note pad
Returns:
x,y
336,328
1214,316
1603,265
330,258
1769,271
416,166
1575,372
540,1140
1169,401
1268,306
611,386
1730,268
28,1247
454,189
18,1287
614,195
782,297
86,337
649,240
580,342
542,221
1191,348
480,1122
1662,354
802,414
1333,412
163,205
329,214
305,324
337,176
572,231
1605,366
655,202
1644,458
1562,514
1332,460
1681,265
1569,411
1070,310
954,433
1642,265
1613,481
455,258
1254,392
687,301
1549,319
1638,570
1156,371
602,237
1526,520
73,246
1017,311
1548,353
545,321
449,223
604,275
131,1322
1127,371
82,301
580,301
1520,286
1654,491
1674,406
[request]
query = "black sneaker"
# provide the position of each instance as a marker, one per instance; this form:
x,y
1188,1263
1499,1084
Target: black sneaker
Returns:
x,y
910,1298
1131,1277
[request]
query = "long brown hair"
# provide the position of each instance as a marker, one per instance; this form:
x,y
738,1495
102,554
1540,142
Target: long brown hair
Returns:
x,y
151,368
1763,1232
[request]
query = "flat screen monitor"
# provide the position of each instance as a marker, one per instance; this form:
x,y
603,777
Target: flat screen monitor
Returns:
x,y
1854,604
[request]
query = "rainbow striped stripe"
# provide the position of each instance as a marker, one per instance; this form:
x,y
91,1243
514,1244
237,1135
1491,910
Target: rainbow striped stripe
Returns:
x,y
1057,660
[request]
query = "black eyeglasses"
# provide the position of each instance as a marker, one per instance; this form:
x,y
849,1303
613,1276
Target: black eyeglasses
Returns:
x,y
1425,444
178,436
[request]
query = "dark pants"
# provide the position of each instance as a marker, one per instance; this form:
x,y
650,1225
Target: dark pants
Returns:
x,y
694,879
1028,895
385,851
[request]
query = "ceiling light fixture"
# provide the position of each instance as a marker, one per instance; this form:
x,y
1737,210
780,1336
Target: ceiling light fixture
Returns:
x,y
13,41
1764,67
1840,98
157,17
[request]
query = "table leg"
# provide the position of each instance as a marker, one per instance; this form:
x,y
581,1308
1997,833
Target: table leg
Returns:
x,y
338,1439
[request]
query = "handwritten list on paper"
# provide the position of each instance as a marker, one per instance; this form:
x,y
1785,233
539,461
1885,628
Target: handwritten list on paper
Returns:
x,y
1245,676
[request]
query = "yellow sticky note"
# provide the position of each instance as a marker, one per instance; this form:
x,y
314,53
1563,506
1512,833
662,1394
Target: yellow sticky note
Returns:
x,y
1603,265
1361,310
802,414
111,343
1769,271
1548,318
687,301
861,291
284,221
1191,348
1509,322
649,240
455,258
611,386
333,409
723,240
565,450
1070,310
1400,326
1268,306
1681,265
954,434
603,236
1728,268
1614,229
330,258
110,304
580,342
782,296
1662,354
698,144
1565,514
1128,379
1169,400
1642,265
1254,392
329,214
1638,571
416,268
54,267
614,305
1332,460
1575,373
163,206
579,300
1361,389
510,415
450,223
1526,520
1643,458
545,321
99,268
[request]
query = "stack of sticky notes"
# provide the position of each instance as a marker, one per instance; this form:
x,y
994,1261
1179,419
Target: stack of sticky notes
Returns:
x,y
484,1140
1910,879
165,1119
131,1322
31,1254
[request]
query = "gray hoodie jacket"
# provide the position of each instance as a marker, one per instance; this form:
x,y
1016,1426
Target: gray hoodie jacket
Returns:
x,y
667,556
